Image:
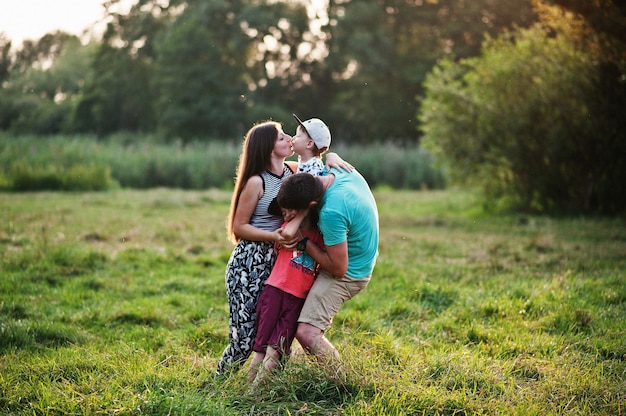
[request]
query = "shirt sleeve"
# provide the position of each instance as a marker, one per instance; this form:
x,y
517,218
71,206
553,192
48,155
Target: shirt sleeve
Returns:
x,y
333,226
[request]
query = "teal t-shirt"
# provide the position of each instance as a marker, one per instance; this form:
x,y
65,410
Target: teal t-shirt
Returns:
x,y
348,211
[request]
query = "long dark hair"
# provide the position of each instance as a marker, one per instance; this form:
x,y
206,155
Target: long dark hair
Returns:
x,y
255,158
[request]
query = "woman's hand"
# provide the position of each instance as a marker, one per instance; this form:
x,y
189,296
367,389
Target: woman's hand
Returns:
x,y
334,161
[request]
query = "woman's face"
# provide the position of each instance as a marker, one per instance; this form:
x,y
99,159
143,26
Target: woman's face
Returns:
x,y
282,146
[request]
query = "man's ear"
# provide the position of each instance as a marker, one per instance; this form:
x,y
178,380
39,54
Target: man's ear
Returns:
x,y
312,204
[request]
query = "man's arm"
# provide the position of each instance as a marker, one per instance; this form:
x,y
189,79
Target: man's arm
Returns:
x,y
334,259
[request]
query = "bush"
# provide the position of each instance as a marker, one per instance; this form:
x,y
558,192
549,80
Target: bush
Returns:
x,y
86,164
57,178
395,166
526,120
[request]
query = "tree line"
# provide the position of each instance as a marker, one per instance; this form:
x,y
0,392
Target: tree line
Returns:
x,y
199,69
522,96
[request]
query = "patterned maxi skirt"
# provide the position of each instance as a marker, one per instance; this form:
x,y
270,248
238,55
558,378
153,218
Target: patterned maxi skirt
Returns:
x,y
249,267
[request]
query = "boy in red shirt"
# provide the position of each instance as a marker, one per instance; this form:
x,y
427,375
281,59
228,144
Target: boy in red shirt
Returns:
x,y
282,298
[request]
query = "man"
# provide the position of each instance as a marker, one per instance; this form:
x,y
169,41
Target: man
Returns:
x,y
348,220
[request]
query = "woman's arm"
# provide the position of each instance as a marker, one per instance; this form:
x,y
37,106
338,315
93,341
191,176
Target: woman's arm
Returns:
x,y
293,165
250,195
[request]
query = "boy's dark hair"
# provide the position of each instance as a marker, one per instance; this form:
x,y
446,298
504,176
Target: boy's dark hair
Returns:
x,y
299,190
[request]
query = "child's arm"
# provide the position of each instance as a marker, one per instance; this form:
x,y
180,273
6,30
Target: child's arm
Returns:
x,y
291,230
334,160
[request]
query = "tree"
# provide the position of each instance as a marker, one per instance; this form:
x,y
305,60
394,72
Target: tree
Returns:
x,y
6,61
194,68
599,29
119,95
224,65
199,83
279,72
521,120
43,82
381,50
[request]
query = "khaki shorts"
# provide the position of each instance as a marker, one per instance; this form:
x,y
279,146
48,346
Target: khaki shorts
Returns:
x,y
326,297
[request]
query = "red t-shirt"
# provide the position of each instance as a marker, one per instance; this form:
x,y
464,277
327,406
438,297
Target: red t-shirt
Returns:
x,y
295,271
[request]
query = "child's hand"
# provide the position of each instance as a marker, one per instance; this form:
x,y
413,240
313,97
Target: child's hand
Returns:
x,y
288,241
334,161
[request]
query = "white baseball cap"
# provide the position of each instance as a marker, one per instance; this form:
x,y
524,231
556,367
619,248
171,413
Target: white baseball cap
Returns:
x,y
317,130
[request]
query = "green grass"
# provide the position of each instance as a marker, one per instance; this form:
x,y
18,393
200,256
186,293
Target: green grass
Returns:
x,y
114,303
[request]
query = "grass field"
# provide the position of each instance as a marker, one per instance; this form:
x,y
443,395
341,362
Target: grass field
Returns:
x,y
114,303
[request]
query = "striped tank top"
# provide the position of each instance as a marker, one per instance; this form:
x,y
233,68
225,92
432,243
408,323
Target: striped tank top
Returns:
x,y
261,218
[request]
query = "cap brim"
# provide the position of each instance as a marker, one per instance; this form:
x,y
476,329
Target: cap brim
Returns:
x,y
298,120
302,124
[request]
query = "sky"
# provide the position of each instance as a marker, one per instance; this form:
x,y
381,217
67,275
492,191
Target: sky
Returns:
x,y
31,19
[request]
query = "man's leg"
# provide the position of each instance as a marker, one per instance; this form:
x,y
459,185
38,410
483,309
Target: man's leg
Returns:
x,y
324,300
315,343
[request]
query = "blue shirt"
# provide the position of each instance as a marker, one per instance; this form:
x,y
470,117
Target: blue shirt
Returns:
x,y
348,211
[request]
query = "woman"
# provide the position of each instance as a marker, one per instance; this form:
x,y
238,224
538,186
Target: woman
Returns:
x,y
252,228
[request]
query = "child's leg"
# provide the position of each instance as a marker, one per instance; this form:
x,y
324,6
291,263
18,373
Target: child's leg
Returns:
x,y
271,360
257,359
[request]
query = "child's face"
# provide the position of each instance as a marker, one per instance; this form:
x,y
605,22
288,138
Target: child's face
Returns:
x,y
301,141
289,214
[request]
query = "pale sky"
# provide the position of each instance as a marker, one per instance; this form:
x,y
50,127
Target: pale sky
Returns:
x,y
31,19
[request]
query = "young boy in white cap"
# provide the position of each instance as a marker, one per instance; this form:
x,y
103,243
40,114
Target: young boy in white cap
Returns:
x,y
312,139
